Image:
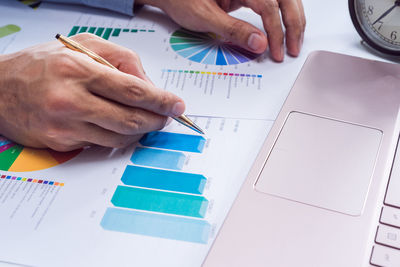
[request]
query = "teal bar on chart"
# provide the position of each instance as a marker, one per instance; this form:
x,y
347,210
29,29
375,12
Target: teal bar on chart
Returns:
x,y
73,31
160,201
116,32
107,33
174,141
92,30
158,158
164,179
99,31
156,225
83,29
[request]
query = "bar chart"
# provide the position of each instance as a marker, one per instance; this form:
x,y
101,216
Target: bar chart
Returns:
x,y
156,198
106,32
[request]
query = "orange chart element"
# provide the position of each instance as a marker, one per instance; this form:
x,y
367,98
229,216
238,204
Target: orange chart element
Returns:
x,y
17,158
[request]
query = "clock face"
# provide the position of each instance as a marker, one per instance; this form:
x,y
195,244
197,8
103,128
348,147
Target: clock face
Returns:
x,y
379,21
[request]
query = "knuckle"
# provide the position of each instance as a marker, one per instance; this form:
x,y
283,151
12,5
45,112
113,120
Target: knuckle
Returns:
x,y
62,64
132,124
57,138
85,36
134,92
270,6
234,29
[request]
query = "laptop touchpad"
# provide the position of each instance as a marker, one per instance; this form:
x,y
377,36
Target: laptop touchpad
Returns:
x,y
321,162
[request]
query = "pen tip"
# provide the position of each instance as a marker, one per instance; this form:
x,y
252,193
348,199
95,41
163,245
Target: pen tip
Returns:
x,y
57,36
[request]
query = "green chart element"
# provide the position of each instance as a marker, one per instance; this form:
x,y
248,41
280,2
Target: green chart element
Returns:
x,y
8,29
105,33
8,157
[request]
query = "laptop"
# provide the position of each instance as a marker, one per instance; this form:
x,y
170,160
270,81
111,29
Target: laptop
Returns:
x,y
325,187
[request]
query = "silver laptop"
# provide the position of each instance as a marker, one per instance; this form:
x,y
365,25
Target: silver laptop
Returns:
x,y
325,187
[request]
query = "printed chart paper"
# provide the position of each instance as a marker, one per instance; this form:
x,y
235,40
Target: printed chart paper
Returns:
x,y
158,203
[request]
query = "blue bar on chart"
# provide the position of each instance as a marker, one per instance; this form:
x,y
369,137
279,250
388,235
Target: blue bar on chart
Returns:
x,y
160,201
174,141
163,179
156,225
158,158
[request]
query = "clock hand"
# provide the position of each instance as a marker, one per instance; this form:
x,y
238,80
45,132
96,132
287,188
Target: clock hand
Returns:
x,y
396,4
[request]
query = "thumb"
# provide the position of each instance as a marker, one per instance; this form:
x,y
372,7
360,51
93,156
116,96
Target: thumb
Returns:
x,y
238,32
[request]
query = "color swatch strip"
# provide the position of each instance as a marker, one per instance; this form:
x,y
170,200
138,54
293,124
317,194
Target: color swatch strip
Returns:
x,y
104,32
214,73
164,179
156,225
174,141
30,180
160,201
158,158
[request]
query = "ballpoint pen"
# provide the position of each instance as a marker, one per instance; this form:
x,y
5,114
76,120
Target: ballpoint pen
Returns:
x,y
71,44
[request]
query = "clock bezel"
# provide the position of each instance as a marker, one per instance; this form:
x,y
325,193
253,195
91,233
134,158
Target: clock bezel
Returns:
x,y
364,36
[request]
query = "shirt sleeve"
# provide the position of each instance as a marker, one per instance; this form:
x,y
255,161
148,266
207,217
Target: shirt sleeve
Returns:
x,y
121,6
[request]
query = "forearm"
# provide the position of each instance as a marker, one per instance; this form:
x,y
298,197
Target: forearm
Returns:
x,y
121,6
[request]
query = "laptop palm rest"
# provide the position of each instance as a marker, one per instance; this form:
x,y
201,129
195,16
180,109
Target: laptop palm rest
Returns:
x,y
321,162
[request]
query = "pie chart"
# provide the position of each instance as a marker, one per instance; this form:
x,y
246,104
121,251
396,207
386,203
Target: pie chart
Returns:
x,y
208,48
17,158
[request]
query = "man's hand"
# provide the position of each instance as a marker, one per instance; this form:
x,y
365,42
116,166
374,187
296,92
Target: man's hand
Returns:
x,y
54,97
211,16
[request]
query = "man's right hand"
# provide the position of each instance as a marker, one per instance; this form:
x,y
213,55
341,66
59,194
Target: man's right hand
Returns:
x,y
54,97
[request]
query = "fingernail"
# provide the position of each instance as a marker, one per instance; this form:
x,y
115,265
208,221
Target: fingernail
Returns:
x,y
178,109
169,120
255,42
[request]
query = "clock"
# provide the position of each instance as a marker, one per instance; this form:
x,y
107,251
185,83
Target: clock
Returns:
x,y
378,23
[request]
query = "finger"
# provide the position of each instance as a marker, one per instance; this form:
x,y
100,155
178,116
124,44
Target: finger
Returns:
x,y
123,119
134,92
291,15
303,19
269,11
120,57
236,31
93,134
302,14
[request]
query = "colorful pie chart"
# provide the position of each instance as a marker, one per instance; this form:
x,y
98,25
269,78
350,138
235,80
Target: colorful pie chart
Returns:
x,y
207,48
17,158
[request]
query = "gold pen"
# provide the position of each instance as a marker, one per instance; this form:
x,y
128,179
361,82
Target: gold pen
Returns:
x,y
71,44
